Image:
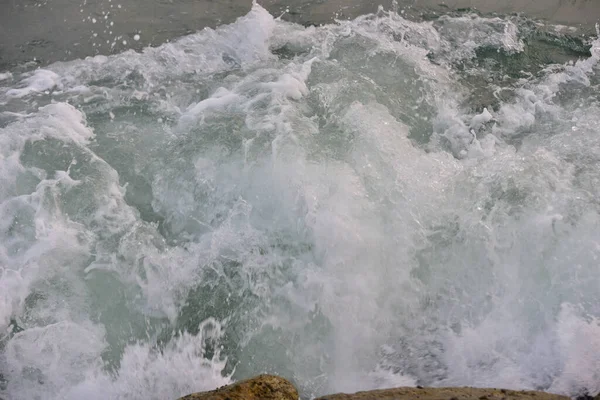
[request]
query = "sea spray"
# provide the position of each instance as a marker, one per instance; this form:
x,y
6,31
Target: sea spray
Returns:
x,y
357,205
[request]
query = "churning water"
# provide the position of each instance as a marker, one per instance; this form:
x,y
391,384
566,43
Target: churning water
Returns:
x,y
366,204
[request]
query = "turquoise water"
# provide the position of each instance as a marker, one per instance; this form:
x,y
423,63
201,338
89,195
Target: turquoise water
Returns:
x,y
367,204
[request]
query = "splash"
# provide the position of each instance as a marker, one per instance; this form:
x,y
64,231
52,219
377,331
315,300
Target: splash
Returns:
x,y
326,203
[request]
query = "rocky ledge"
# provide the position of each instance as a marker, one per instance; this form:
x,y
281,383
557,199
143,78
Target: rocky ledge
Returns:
x,y
406,393
269,387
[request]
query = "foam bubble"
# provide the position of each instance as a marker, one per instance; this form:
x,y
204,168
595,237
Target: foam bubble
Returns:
x,y
38,82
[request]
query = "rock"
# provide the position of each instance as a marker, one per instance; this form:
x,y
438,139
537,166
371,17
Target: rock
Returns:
x,y
262,387
408,393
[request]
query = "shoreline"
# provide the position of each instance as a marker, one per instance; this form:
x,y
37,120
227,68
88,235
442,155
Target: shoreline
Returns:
x,y
46,31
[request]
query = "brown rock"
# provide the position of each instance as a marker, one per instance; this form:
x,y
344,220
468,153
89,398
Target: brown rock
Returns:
x,y
262,387
408,393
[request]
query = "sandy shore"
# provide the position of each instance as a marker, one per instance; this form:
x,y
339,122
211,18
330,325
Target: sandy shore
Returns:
x,y
53,30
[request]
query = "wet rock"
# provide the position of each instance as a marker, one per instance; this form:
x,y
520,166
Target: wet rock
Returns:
x,y
585,395
445,394
262,387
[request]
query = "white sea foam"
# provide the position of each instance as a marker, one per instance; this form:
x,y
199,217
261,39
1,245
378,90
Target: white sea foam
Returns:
x,y
314,202
40,81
